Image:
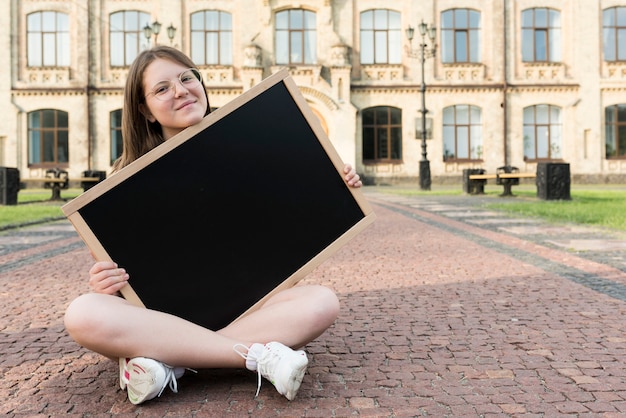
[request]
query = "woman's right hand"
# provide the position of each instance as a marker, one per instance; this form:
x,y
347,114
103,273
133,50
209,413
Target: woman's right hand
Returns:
x,y
106,277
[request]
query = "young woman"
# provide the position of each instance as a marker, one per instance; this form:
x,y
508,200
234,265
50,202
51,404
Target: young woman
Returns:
x,y
164,94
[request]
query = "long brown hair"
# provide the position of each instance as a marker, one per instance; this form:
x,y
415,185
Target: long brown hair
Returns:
x,y
139,135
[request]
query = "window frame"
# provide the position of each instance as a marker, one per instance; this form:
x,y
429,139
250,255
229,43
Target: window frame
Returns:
x,y
42,134
127,35
385,37
474,133
392,130
115,134
52,44
472,39
613,129
611,34
553,130
216,42
286,38
551,41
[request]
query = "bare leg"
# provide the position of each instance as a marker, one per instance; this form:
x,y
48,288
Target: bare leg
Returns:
x,y
111,326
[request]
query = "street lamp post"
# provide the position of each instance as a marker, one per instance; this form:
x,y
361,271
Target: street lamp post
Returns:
x,y
148,31
423,53
155,29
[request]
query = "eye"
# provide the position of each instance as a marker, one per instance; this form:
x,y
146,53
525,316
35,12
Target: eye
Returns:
x,y
188,77
161,89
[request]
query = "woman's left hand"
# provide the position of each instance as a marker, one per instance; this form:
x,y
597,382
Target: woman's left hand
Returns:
x,y
352,178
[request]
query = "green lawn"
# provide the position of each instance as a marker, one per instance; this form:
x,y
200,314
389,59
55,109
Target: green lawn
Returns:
x,y
33,205
595,205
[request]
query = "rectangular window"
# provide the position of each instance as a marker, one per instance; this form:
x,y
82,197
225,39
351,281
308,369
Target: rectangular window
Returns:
x,y
380,37
211,38
382,134
296,37
126,36
48,39
460,36
541,35
48,138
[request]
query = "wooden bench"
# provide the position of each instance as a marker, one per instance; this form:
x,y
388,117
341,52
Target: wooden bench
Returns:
x,y
56,184
506,177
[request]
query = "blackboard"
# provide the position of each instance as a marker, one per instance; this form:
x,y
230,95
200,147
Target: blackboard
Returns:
x,y
228,212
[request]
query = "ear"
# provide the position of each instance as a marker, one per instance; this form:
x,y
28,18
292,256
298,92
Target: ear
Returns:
x,y
146,113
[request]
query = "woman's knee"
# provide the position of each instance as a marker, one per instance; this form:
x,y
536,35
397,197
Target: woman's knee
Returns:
x,y
325,304
81,316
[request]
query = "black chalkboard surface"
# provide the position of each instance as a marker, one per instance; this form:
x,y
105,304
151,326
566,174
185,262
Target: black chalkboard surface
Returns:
x,y
226,213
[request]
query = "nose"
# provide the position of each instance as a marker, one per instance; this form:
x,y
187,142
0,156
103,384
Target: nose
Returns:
x,y
179,88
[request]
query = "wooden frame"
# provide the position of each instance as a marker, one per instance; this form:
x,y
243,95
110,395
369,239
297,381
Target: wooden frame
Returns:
x,y
228,212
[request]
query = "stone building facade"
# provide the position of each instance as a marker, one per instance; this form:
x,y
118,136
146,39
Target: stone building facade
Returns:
x,y
511,82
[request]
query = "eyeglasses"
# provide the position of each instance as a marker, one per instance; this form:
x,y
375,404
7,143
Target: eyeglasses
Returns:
x,y
164,90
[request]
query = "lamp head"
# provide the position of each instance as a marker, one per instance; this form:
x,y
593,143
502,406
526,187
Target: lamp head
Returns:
x,y
147,31
156,27
432,33
423,27
171,31
410,31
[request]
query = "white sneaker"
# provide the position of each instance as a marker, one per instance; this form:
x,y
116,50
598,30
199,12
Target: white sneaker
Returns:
x,y
277,363
145,378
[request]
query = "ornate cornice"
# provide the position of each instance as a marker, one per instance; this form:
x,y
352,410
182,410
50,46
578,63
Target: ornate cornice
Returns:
x,y
48,92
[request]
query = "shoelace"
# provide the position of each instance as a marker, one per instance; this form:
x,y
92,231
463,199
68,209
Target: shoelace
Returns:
x,y
245,355
170,378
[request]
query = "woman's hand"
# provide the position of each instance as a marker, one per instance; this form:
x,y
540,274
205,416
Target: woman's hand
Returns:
x,y
106,277
352,178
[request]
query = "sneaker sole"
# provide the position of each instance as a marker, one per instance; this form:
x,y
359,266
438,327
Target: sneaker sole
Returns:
x,y
297,376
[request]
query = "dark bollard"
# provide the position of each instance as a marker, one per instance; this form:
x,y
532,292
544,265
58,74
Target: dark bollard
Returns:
x,y
553,181
9,185
473,186
86,185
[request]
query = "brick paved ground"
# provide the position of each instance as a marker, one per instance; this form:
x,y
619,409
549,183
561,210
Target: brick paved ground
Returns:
x,y
447,310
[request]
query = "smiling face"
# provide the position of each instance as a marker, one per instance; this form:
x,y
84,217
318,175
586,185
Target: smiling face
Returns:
x,y
186,107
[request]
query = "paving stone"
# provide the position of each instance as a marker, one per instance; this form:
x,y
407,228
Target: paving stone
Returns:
x,y
447,310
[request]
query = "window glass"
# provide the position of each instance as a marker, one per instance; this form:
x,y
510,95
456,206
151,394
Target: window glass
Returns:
x,y
48,40
380,37
116,135
296,37
382,134
462,133
126,36
615,131
541,35
542,132
48,138
460,36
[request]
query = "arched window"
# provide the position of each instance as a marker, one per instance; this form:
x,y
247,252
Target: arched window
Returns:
x,y
615,130
126,36
382,134
381,33
48,134
296,37
48,36
212,38
115,120
541,35
614,33
542,132
460,36
462,133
